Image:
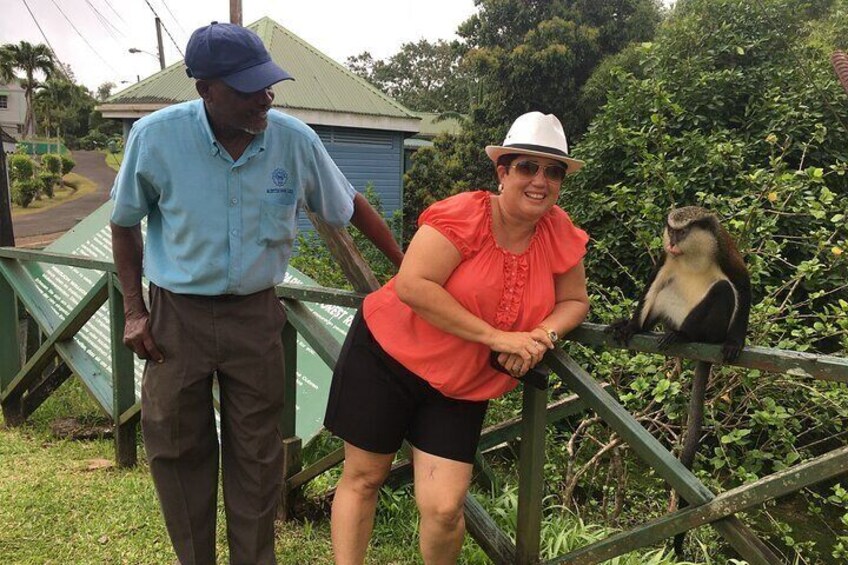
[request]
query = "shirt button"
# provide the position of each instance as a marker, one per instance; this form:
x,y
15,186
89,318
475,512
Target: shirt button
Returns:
x,y
234,201
234,232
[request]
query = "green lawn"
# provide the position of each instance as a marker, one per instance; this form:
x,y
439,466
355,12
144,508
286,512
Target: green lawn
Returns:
x,y
63,502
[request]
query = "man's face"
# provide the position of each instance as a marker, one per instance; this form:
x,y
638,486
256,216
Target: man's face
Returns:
x,y
230,109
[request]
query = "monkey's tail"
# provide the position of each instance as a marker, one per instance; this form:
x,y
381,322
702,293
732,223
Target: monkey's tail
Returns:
x,y
693,431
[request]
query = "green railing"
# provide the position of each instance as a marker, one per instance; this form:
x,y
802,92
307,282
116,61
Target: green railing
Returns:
x,y
30,369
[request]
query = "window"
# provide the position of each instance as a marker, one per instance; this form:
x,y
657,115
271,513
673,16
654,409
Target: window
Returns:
x,y
4,101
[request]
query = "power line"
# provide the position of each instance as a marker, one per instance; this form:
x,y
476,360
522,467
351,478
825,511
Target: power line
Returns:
x,y
47,41
114,12
174,17
165,28
90,46
107,25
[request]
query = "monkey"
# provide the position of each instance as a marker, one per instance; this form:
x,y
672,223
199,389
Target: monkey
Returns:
x,y
700,291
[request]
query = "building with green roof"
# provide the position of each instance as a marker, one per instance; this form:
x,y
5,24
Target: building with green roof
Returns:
x,y
363,129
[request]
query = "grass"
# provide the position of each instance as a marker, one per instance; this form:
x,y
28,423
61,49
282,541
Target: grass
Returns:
x,y
114,160
64,503
75,187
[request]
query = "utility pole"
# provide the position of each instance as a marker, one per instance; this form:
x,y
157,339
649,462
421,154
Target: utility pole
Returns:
x,y
159,42
7,234
235,12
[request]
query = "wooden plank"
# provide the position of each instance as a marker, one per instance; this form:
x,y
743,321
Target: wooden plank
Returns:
x,y
77,318
133,414
123,379
825,367
344,251
651,450
288,424
322,465
29,295
531,476
10,347
508,430
320,295
292,463
793,479
98,383
42,390
313,332
52,258
487,534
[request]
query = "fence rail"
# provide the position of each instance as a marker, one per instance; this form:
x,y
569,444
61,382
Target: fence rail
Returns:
x,y
31,369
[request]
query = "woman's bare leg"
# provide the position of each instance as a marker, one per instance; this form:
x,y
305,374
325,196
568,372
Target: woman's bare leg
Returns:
x,y
355,502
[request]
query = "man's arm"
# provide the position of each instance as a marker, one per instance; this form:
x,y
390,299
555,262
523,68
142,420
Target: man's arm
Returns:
x,y
369,222
128,251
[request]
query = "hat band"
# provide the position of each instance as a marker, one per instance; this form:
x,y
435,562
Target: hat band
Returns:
x,y
539,148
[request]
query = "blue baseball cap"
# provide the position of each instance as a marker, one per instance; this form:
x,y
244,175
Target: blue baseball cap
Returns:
x,y
233,54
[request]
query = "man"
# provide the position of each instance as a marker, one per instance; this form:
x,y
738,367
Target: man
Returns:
x,y
220,180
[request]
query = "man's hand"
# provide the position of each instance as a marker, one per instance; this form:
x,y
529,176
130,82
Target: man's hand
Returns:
x,y
137,337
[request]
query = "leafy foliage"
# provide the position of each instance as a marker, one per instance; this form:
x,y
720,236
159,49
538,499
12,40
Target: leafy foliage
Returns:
x,y
424,76
31,60
525,56
314,259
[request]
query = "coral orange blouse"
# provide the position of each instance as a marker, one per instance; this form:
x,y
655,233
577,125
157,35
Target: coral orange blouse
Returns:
x,y
510,292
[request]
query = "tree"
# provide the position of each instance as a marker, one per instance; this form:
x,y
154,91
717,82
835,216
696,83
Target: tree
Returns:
x,y
528,55
104,91
30,60
65,109
424,76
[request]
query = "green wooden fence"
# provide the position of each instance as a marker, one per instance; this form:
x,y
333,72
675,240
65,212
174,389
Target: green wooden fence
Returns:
x,y
33,366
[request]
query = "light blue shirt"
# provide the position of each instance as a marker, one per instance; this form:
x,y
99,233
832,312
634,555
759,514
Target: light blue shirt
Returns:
x,y
215,226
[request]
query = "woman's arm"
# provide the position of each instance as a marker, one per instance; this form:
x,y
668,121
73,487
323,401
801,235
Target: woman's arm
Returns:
x,y
572,301
429,261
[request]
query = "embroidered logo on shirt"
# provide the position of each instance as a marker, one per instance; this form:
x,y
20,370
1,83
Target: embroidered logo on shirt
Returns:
x,y
280,177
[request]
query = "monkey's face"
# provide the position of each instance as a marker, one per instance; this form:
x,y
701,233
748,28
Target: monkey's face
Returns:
x,y
530,189
690,239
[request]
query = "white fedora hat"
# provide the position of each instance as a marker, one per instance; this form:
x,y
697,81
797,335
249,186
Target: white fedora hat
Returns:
x,y
535,133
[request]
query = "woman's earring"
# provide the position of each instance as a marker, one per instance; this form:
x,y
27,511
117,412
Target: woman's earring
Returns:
x,y
500,188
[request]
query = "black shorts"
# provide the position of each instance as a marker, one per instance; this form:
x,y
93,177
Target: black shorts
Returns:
x,y
375,403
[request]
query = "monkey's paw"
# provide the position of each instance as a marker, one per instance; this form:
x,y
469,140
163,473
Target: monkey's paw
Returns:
x,y
621,331
731,349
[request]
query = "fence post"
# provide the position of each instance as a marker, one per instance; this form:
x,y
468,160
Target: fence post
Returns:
x,y
531,475
123,380
10,347
292,458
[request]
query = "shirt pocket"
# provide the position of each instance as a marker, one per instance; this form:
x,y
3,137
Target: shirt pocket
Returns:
x,y
277,223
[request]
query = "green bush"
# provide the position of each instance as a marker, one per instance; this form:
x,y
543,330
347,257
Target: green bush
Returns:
x,y
21,167
68,164
24,191
52,163
94,140
48,181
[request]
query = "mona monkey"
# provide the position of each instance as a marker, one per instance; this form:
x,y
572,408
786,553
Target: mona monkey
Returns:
x,y
701,292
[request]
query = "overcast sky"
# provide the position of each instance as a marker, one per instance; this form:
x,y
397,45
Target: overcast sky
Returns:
x,y
93,36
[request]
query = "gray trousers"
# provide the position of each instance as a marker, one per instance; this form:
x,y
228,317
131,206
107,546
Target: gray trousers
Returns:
x,y
236,338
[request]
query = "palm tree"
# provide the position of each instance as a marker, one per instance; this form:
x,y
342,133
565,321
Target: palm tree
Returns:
x,y
30,59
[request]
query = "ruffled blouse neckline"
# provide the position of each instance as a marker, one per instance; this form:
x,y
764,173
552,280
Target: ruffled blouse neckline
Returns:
x,y
490,225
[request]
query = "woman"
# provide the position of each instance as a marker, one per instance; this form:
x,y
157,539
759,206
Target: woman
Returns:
x,y
484,273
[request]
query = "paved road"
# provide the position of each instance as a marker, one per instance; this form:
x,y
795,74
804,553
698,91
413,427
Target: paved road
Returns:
x,y
63,217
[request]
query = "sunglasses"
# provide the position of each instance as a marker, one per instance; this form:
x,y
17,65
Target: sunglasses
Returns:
x,y
528,169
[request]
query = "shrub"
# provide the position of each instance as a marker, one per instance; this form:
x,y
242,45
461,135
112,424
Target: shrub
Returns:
x,y
21,167
94,140
24,191
52,163
48,181
68,164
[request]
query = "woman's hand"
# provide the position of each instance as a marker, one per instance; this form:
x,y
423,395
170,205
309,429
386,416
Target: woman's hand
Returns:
x,y
521,351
